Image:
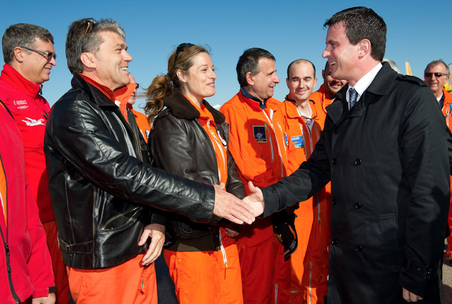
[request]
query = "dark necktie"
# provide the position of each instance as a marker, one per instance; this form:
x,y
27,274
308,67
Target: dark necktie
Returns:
x,y
352,97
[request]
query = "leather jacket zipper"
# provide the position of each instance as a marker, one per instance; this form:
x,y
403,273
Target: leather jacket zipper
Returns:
x,y
134,211
136,136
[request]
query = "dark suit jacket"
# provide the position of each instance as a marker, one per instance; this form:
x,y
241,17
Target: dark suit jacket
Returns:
x,y
388,163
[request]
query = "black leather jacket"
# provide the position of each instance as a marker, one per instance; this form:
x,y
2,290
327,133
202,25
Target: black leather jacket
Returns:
x,y
101,183
180,145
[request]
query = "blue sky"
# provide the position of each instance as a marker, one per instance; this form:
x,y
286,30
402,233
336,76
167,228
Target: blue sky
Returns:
x,y
418,32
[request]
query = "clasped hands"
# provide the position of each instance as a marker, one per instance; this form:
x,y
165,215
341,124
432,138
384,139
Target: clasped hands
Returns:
x,y
245,211
238,211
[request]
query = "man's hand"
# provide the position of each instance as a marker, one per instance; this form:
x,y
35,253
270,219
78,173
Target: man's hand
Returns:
x,y
157,233
255,199
229,207
408,296
50,299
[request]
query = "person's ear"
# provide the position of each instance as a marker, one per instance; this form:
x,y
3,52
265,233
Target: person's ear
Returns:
x,y
249,78
88,60
181,76
364,47
19,54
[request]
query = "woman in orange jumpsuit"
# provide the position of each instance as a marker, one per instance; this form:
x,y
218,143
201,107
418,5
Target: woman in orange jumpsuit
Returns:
x,y
189,138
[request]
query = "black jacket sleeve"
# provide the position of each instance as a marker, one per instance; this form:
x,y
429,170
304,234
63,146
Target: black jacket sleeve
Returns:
x,y
78,134
423,155
307,180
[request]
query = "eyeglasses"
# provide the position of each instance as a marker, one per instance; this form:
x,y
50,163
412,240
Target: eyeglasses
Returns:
x,y
47,55
180,48
90,24
437,75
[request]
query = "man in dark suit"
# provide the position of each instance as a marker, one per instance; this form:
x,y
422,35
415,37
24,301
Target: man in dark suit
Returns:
x,y
384,149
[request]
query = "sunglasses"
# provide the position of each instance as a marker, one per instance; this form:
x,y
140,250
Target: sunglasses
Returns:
x,y
437,75
47,55
180,48
90,24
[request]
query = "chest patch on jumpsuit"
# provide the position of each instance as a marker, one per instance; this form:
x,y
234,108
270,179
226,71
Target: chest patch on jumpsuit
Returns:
x,y
260,134
297,141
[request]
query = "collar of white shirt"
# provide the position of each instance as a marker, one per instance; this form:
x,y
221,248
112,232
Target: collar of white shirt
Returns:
x,y
364,82
439,98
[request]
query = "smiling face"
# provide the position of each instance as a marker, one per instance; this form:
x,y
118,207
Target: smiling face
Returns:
x,y
199,81
301,81
341,54
436,84
332,85
111,61
262,85
36,67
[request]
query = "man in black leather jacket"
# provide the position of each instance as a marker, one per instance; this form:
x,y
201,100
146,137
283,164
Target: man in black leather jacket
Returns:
x,y
102,186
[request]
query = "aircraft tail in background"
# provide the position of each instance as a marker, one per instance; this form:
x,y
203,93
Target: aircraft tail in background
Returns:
x,y
408,69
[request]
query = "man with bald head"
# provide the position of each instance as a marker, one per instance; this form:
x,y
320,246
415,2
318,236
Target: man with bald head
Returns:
x,y
303,120
299,109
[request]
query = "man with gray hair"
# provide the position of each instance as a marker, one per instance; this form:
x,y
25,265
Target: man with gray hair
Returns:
x,y
29,57
102,186
436,75
256,142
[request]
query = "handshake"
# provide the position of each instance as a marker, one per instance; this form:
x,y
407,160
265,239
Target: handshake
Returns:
x,y
238,211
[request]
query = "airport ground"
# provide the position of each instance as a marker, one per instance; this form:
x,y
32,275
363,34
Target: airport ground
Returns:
x,y
447,280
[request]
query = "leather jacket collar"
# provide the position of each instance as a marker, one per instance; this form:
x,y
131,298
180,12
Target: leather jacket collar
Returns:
x,y
183,109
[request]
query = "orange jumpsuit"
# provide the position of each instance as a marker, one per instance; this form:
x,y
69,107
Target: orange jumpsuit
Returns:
x,y
321,101
209,276
447,112
127,284
122,95
301,137
256,142
315,276
142,122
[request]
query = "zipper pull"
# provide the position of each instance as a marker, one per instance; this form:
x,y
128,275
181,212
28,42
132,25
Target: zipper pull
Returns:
x,y
8,253
221,139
